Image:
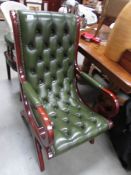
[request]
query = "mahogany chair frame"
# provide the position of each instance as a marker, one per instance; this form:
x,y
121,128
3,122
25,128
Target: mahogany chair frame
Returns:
x,y
44,136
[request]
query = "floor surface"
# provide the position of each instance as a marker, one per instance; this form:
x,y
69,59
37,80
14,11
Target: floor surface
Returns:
x,y
17,154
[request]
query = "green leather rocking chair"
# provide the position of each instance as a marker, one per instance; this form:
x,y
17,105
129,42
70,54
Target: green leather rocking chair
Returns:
x,y
46,47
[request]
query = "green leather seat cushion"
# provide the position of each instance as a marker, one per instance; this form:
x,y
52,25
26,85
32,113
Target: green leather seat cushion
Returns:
x,y
73,122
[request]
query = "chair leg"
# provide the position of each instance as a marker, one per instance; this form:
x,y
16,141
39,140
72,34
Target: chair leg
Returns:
x,y
39,155
23,116
92,141
20,97
8,71
37,145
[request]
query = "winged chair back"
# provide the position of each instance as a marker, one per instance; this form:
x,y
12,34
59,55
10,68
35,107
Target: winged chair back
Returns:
x,y
46,46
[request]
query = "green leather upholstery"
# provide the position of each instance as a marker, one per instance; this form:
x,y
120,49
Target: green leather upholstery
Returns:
x,y
31,94
48,52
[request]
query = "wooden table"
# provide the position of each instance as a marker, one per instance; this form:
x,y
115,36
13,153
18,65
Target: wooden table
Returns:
x,y
116,74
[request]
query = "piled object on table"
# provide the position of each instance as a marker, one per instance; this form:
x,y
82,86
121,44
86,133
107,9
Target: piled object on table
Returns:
x,y
85,14
90,3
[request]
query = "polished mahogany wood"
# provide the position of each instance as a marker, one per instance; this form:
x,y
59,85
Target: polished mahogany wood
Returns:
x,y
43,136
54,5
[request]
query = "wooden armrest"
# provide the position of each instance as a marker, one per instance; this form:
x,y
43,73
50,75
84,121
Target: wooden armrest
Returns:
x,y
32,97
49,138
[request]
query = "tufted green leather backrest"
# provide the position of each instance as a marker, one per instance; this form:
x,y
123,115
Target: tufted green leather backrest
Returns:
x,y
48,48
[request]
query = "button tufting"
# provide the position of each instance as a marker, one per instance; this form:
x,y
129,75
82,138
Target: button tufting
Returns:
x,y
70,42
52,55
53,77
41,81
59,65
31,46
45,100
94,120
40,58
65,73
53,31
59,43
78,115
33,71
38,31
70,63
57,97
68,93
60,84
46,44
66,29
49,88
67,102
54,105
53,115
82,126
66,120
65,54
66,110
66,132
46,68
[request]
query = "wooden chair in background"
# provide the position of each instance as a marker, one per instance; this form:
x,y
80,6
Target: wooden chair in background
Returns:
x,y
9,38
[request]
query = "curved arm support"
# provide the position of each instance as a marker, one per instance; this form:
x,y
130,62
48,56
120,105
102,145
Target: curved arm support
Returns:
x,y
49,137
47,133
31,94
107,104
